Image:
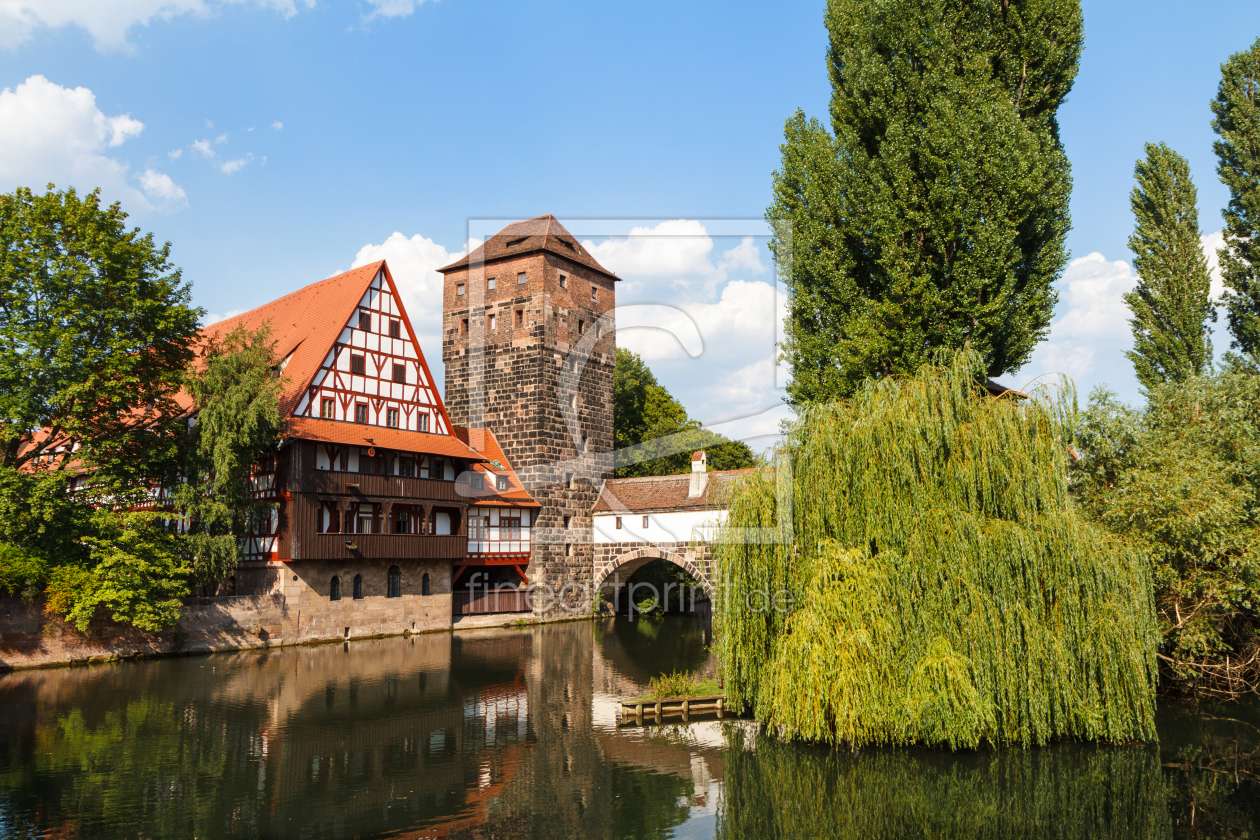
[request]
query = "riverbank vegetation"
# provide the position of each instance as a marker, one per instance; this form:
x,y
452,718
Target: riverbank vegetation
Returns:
x,y
126,438
920,575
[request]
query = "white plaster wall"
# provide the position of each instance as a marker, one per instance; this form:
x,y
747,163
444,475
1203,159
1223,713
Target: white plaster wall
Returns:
x,y
676,526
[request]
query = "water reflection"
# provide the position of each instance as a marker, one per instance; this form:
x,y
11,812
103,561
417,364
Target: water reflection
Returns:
x,y
513,733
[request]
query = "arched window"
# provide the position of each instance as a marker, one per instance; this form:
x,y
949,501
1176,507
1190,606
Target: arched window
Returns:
x,y
358,587
334,589
393,587
424,584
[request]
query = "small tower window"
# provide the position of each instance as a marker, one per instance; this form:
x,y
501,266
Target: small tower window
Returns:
x,y
393,583
490,323
360,412
424,584
618,523
358,587
645,522
490,284
400,373
581,327
564,281
395,328
391,418
567,520
520,279
357,365
593,293
459,290
520,317
463,327
334,589
365,321
327,408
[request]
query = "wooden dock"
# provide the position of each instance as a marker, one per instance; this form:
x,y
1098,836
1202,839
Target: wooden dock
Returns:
x,y
634,712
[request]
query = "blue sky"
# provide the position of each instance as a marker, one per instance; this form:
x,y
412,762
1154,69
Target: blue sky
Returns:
x,y
275,142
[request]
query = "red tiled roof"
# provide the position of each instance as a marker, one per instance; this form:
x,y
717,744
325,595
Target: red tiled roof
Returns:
x,y
541,233
664,492
483,442
356,434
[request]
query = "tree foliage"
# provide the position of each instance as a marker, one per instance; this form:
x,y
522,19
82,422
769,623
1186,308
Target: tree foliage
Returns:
x,y
96,329
1236,120
1170,304
921,576
934,213
236,397
1180,482
656,430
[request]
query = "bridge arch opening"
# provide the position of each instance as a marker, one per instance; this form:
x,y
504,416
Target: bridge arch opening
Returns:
x,y
654,580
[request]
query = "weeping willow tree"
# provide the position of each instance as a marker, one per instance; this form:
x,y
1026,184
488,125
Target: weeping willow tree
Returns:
x,y
914,572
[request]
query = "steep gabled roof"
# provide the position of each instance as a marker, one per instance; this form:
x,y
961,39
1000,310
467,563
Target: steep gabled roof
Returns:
x,y
541,233
485,445
304,325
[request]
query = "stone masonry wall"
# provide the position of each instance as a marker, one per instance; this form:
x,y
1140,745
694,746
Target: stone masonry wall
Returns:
x,y
520,380
294,612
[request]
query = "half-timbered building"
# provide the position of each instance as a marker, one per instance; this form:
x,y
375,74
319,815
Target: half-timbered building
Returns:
x,y
380,501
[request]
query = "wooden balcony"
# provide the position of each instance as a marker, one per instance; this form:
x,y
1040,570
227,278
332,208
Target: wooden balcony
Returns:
x,y
379,547
374,486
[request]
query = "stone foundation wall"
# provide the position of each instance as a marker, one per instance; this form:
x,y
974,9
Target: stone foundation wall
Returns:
x,y
293,608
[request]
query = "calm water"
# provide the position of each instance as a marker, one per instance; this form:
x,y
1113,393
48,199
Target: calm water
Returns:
x,y
513,733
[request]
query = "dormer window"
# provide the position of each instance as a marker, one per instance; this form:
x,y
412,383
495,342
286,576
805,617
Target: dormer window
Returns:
x,y
501,483
365,321
515,242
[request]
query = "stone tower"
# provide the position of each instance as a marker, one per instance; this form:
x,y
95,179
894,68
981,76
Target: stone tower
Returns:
x,y
528,339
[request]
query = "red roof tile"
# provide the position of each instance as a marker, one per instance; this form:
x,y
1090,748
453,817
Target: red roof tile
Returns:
x,y
541,233
355,434
665,493
483,442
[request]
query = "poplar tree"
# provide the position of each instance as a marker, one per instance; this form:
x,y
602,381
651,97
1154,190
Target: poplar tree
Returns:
x,y
1237,122
934,212
1170,304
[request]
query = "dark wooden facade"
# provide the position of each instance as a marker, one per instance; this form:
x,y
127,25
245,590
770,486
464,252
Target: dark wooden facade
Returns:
x,y
304,490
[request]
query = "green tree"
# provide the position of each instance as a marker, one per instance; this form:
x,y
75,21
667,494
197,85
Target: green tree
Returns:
x,y
96,330
1180,482
1236,120
648,418
934,213
236,399
1170,304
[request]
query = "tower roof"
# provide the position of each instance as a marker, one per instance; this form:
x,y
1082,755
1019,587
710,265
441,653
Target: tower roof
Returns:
x,y
541,233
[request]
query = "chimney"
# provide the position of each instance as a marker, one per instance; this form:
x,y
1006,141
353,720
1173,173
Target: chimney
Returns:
x,y
699,475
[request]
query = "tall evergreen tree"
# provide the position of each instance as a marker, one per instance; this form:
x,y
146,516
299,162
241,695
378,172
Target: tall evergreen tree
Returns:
x,y
1170,305
1237,121
934,213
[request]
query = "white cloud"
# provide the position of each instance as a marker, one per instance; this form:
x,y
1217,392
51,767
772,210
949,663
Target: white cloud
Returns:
x,y
110,21
201,148
1089,338
175,154
222,138
160,189
277,125
392,8
212,318
1213,242
50,133
231,167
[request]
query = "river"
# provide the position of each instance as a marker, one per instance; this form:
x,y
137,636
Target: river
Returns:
x,y
513,733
